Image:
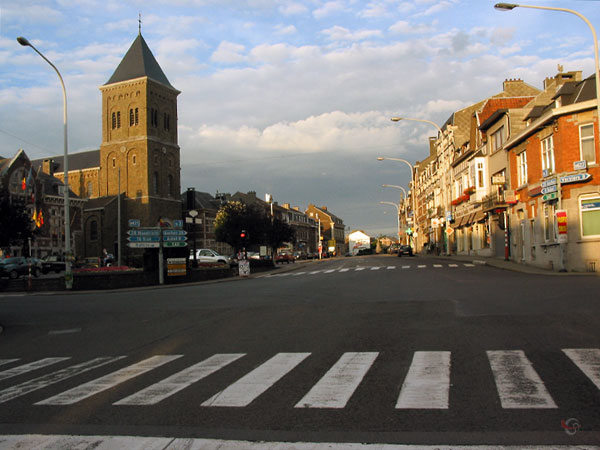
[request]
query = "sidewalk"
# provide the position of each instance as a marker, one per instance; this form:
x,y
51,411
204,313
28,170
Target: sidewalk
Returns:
x,y
500,263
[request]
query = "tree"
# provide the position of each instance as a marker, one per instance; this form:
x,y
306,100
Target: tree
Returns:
x,y
235,217
279,232
15,224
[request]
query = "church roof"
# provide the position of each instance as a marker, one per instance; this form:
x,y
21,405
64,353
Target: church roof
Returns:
x,y
139,62
77,161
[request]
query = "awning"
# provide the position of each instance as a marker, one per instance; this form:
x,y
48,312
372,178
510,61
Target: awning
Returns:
x,y
478,216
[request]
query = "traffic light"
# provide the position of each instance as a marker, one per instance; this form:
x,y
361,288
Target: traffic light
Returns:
x,y
243,234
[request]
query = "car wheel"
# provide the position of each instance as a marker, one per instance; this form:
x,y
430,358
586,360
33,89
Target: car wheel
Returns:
x,y
37,272
13,275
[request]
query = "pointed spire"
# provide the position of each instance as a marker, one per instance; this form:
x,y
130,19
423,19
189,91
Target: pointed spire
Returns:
x,y
139,62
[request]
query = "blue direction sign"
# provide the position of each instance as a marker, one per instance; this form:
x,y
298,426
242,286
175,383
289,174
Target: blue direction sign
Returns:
x,y
143,238
574,178
143,232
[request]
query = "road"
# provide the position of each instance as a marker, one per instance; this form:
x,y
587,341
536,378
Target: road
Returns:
x,y
373,349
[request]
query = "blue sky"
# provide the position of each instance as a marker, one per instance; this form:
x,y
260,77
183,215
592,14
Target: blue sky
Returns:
x,y
286,97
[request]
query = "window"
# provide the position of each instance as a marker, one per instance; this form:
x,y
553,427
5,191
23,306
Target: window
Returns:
x,y
522,168
498,139
586,137
590,216
118,119
154,117
133,117
93,230
90,189
133,160
170,185
548,223
114,120
480,175
155,182
114,162
548,155
167,121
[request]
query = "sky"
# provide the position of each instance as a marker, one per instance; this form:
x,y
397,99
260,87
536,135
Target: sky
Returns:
x,y
287,97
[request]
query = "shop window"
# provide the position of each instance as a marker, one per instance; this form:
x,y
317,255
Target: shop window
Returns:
x,y
590,216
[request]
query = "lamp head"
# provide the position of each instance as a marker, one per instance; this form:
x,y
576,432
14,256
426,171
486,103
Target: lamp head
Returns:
x,y
24,42
505,6
396,119
380,158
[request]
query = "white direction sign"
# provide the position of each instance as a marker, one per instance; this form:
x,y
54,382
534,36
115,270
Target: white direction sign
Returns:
x,y
575,178
143,244
549,189
143,232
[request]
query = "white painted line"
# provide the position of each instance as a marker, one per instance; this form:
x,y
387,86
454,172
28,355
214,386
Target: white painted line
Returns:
x,y
67,331
469,265
330,271
344,270
7,361
60,442
249,387
517,382
588,360
406,267
29,367
314,271
339,383
452,265
421,266
179,381
391,267
427,384
299,273
55,377
437,265
376,268
358,269
106,382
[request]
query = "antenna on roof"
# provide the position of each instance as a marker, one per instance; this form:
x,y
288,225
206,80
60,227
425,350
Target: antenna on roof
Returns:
x,y
140,22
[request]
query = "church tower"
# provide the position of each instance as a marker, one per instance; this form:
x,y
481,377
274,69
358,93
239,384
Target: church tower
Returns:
x,y
139,138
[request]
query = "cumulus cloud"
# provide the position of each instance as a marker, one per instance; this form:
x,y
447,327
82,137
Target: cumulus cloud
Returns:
x,y
328,9
338,33
228,52
405,27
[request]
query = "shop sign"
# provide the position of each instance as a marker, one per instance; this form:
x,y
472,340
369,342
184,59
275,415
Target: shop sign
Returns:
x,y
561,222
498,179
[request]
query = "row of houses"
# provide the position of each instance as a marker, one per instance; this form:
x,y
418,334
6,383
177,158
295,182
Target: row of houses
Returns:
x,y
515,176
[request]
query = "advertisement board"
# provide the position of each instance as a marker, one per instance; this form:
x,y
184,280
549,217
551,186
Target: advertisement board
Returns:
x,y
561,223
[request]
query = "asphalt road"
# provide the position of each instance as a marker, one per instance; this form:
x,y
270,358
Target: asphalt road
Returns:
x,y
374,349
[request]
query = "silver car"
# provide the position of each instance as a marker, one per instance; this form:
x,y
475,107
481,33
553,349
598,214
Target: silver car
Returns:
x,y
206,255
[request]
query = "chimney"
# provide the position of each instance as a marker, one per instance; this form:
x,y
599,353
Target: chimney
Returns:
x,y
48,167
324,208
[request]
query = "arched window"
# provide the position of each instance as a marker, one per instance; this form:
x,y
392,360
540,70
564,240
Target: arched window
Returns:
x,y
170,186
93,230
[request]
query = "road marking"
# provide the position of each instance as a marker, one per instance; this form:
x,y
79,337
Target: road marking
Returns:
x,y
517,382
67,331
588,361
452,265
406,267
7,361
391,267
437,265
29,367
249,387
358,269
313,272
427,384
329,271
339,383
299,273
469,265
179,381
421,266
108,381
55,377
376,268
344,270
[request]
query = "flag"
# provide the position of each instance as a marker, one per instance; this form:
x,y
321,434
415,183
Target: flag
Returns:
x,y
41,218
24,184
30,178
34,217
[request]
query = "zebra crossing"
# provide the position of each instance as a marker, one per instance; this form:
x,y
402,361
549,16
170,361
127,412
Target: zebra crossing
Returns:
x,y
426,385
407,266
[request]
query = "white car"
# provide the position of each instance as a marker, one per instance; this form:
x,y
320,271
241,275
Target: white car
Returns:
x,y
206,255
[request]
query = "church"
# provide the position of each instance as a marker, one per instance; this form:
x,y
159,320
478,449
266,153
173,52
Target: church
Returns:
x,y
137,168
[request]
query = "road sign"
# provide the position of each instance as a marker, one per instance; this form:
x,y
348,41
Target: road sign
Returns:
x,y
176,267
174,232
580,165
575,178
178,223
143,238
174,244
143,244
174,238
134,223
449,231
143,232
550,196
549,189
550,182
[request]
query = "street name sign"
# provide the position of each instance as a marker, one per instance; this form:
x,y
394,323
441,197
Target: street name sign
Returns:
x,y
143,238
550,182
174,244
134,223
143,244
174,238
549,189
143,232
575,178
174,232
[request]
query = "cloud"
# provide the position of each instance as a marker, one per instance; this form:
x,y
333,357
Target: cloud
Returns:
x,y
405,27
229,53
292,8
338,33
328,9
285,29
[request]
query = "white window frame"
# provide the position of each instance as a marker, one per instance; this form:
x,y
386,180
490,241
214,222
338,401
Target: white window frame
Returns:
x,y
595,196
498,138
587,138
548,154
480,175
522,168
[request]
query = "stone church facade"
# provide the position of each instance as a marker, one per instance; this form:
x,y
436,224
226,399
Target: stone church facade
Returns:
x,y
137,168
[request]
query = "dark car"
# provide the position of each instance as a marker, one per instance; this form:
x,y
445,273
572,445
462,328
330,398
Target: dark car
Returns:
x,y
53,263
365,251
19,265
284,258
405,250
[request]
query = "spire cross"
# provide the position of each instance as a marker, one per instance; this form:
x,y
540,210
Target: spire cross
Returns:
x,y
140,23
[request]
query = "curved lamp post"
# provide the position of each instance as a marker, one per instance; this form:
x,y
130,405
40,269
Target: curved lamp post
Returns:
x,y
397,215
511,6
68,273
398,119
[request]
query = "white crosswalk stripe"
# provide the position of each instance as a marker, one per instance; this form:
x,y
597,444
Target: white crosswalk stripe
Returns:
x,y
246,389
364,268
15,371
7,361
426,385
175,383
518,384
339,383
108,381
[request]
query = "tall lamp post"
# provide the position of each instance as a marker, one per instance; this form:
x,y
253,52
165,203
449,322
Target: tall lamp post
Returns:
x,y
511,6
68,272
412,181
398,215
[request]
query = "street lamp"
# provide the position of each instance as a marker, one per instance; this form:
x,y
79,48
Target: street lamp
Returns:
x,y
397,187
398,119
398,215
511,6
68,273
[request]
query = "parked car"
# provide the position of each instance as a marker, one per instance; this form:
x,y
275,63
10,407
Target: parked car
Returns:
x,y
284,258
19,265
300,255
53,263
365,251
405,250
206,255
